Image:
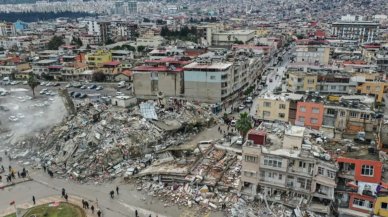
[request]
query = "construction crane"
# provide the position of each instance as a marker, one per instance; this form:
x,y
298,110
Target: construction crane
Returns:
x,y
67,101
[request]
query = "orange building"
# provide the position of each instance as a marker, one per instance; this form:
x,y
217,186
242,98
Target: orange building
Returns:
x,y
309,114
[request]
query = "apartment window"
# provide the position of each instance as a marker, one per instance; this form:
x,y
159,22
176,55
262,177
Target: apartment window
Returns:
x,y
331,111
273,162
330,174
333,87
378,89
313,120
282,106
302,164
303,109
301,119
212,77
321,171
342,113
303,183
384,205
267,104
358,202
364,116
367,170
367,87
266,114
248,174
251,159
315,110
353,114
281,115
280,176
310,81
300,79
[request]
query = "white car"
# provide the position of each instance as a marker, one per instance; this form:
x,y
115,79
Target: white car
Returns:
x,y
239,141
43,91
119,94
241,107
25,82
13,118
233,123
99,88
68,85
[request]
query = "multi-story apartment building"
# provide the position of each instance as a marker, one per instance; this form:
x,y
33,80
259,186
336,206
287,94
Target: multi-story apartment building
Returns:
x,y
7,29
289,173
281,107
299,81
312,54
98,58
208,81
376,89
355,28
310,113
159,77
382,61
359,178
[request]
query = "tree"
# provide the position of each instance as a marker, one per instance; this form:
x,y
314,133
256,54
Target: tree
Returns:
x,y
33,83
98,77
55,43
109,41
243,124
140,48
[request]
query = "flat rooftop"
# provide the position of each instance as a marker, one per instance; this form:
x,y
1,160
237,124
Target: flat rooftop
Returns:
x,y
217,65
295,131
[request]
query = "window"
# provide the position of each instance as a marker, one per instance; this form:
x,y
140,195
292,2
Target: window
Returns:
x,y
303,109
273,162
364,116
384,205
331,111
378,89
280,176
367,170
212,77
302,164
367,87
314,120
315,110
281,115
266,114
309,81
362,203
251,159
248,174
353,114
342,113
330,174
333,87
267,104
358,202
282,106
321,171
301,119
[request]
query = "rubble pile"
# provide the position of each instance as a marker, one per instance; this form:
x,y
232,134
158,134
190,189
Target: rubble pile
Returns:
x,y
102,142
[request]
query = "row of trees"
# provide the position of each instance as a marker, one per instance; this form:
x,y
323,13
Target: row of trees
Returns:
x,y
185,33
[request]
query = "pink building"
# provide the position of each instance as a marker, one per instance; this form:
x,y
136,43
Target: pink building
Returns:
x,y
309,114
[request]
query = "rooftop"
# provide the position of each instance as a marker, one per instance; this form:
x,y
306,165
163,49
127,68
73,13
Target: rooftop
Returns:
x,y
216,66
295,131
157,69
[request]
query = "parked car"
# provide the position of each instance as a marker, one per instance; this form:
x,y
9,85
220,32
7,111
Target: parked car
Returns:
x,y
68,85
233,123
25,82
93,86
119,94
83,87
43,91
83,95
248,99
76,95
99,88
56,84
241,107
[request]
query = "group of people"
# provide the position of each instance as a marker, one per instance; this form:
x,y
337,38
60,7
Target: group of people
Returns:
x,y
12,173
112,192
51,174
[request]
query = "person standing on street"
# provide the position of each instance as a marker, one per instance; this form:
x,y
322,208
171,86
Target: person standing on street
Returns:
x,y
136,214
92,208
33,199
112,194
117,190
99,213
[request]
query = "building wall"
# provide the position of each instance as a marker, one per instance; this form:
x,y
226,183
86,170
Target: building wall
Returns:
x,y
204,86
307,114
375,88
150,83
141,84
250,167
377,209
377,166
312,54
98,58
363,209
301,82
274,112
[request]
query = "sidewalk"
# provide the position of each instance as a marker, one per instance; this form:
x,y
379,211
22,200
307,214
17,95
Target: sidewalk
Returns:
x,y
72,199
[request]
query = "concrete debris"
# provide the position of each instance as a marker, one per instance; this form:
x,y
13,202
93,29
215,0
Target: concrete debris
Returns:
x,y
102,142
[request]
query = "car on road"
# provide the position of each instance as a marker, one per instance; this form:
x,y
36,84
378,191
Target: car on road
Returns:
x,y
83,95
270,80
93,86
43,91
3,108
233,123
119,94
14,82
239,140
49,84
241,107
13,118
25,82
42,83
121,84
76,95
99,88
71,93
68,85
83,87
77,85
56,84
248,99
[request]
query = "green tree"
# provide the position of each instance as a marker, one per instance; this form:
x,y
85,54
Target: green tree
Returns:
x,y
243,125
33,83
55,43
109,41
98,77
140,48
